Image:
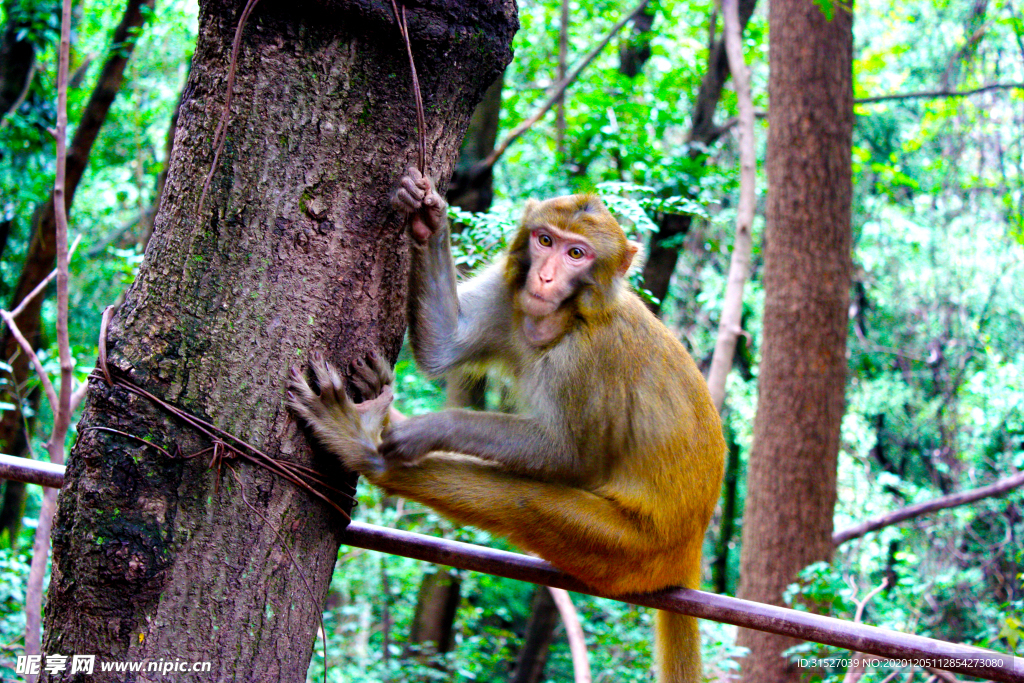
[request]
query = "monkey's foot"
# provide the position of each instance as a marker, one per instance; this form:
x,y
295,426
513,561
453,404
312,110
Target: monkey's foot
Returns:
x,y
349,430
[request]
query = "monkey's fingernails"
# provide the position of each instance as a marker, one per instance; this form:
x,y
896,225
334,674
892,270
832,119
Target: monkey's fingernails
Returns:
x,y
291,396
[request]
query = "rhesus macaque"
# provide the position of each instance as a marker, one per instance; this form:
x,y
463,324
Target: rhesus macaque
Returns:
x,y
613,464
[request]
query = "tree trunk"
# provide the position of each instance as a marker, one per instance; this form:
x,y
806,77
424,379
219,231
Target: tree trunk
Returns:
x,y
727,527
791,483
436,605
472,187
540,631
42,249
295,249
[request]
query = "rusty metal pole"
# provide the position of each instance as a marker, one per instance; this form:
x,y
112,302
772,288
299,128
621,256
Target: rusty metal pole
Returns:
x,y
871,640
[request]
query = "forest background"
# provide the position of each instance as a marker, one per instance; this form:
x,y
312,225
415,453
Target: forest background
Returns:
x,y
934,400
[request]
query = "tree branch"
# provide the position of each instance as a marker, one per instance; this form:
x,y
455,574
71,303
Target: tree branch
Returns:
x,y
557,91
5,117
38,289
26,348
933,94
729,328
574,633
917,510
62,402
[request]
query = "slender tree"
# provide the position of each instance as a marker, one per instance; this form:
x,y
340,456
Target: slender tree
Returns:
x,y
791,483
295,248
42,248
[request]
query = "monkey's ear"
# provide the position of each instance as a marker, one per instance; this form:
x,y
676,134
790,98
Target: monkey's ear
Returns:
x,y
632,249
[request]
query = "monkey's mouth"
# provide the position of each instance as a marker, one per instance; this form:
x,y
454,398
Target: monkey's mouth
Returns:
x,y
535,305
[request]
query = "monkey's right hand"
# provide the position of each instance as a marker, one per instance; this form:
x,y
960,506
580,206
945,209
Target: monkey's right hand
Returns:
x,y
347,429
417,197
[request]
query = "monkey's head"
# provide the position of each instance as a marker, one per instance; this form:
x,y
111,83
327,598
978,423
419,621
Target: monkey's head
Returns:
x,y
568,252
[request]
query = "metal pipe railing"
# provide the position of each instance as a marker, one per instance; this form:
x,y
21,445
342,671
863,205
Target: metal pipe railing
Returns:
x,y
870,640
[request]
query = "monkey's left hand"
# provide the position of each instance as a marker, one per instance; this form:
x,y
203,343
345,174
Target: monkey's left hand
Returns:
x,y
349,430
416,196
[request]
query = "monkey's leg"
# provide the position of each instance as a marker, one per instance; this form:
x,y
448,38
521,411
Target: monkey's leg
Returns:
x,y
594,538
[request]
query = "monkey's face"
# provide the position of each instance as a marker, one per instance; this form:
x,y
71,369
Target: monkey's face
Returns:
x,y
558,261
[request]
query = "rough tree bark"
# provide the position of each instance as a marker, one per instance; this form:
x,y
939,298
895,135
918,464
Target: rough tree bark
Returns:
x,y
42,248
296,248
791,483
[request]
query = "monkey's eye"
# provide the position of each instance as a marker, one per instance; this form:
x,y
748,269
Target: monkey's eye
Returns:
x,y
545,240
576,253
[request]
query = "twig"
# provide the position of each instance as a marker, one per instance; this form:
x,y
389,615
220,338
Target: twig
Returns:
x,y
42,285
574,633
856,669
62,402
26,347
421,119
729,328
78,396
921,94
556,91
918,509
219,135
941,675
5,118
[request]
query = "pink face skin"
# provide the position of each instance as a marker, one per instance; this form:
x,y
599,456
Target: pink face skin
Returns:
x,y
557,259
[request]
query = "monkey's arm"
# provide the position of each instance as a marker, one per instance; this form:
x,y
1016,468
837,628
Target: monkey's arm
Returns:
x,y
448,325
523,445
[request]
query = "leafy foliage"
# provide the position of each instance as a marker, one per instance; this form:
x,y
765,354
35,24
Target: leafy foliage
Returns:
x,y
936,343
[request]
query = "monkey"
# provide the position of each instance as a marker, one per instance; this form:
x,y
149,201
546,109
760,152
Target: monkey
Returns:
x,y
612,465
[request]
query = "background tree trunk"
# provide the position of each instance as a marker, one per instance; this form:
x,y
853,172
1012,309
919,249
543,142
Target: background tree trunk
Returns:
x,y
540,632
295,249
791,483
17,57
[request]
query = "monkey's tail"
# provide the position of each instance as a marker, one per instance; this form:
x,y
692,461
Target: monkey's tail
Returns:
x,y
677,648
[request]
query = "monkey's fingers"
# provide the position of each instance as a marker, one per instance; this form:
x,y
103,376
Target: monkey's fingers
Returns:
x,y
404,202
417,177
332,387
310,406
417,188
370,375
300,396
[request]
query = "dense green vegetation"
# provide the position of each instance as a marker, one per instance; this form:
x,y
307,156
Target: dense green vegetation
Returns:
x,y
935,403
